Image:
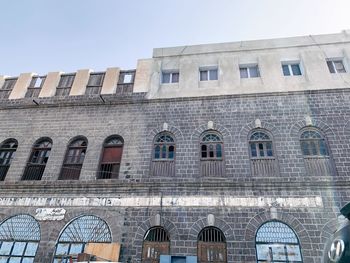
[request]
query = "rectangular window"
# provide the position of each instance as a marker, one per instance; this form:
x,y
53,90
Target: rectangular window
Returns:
x,y
249,71
35,86
206,74
336,66
7,87
170,77
95,83
291,69
65,84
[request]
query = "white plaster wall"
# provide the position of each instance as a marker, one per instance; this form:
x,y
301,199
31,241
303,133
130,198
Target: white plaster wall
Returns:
x,y
312,53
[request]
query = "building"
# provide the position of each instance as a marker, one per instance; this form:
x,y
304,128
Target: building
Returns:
x,y
233,152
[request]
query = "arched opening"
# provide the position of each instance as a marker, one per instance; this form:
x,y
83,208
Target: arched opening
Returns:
x,y
111,158
277,242
37,162
77,234
19,239
74,159
212,246
163,159
155,243
7,153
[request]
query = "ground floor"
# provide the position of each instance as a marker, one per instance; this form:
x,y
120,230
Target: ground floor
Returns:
x,y
221,227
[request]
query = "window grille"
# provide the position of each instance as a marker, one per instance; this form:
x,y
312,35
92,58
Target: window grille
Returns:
x,y
7,87
277,242
74,160
19,239
95,83
156,242
7,153
35,86
211,246
111,158
37,162
65,85
77,234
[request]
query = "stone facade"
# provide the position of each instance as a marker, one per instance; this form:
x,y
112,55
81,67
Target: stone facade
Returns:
x,y
236,202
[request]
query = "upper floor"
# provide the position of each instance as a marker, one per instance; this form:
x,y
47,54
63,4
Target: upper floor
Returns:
x,y
246,67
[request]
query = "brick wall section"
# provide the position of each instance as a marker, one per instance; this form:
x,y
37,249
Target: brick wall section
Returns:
x,y
137,120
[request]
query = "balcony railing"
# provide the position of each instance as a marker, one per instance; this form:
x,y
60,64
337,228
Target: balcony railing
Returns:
x,y
264,167
319,165
163,168
70,172
3,171
212,168
108,171
34,172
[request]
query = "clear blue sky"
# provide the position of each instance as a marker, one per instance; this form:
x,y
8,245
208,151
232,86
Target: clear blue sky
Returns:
x,y
50,35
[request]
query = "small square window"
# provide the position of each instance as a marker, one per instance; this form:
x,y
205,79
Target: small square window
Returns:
x,y
208,74
336,66
291,69
170,77
249,71
127,78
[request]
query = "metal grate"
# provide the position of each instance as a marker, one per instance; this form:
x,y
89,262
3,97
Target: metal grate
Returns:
x,y
86,229
211,234
38,159
276,232
157,234
20,228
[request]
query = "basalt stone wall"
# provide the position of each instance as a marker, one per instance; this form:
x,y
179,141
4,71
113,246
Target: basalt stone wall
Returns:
x,y
137,121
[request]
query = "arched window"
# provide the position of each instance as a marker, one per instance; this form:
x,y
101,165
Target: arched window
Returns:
x,y
313,144
211,246
277,242
211,147
19,239
211,152
79,232
74,159
111,158
37,162
260,145
155,243
163,163
7,153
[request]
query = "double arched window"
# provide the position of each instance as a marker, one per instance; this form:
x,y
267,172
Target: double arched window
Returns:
x,y
111,158
277,242
212,246
155,243
211,146
316,154
74,159
313,143
163,163
7,153
211,154
37,162
260,145
261,152
19,239
164,147
77,234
